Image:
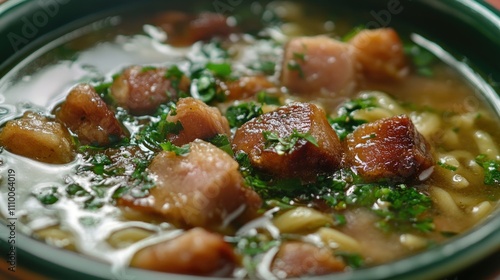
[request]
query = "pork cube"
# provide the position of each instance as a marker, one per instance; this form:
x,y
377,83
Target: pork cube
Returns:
x,y
142,90
389,149
185,29
88,116
199,121
302,160
298,259
379,54
36,137
317,65
195,252
200,189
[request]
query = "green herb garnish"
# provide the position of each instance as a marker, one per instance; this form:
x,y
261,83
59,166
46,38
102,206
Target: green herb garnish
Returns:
x,y
491,170
345,123
283,145
240,114
180,151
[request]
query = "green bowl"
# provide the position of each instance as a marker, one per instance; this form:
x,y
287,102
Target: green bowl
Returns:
x,y
469,31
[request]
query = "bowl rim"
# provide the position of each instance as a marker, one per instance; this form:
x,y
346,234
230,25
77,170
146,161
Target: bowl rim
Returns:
x,y
461,251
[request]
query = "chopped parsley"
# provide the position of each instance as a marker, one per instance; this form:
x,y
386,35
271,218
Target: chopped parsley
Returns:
x,y
422,59
283,145
294,66
48,196
180,151
491,170
351,260
345,123
221,70
156,132
399,207
237,115
447,166
203,85
267,98
222,142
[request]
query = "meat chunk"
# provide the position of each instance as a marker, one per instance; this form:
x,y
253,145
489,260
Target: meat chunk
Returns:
x,y
379,54
88,116
305,159
142,90
296,259
199,121
314,65
36,137
184,29
195,252
245,87
390,148
203,188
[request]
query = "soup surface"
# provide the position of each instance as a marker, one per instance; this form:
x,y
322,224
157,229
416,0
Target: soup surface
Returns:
x,y
263,144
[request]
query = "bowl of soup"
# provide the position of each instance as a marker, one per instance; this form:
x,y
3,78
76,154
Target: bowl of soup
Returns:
x,y
249,140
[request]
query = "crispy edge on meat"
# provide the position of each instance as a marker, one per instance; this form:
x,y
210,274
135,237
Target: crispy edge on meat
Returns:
x,y
195,252
141,91
199,121
390,148
36,137
379,54
185,29
318,65
305,160
88,116
203,188
296,259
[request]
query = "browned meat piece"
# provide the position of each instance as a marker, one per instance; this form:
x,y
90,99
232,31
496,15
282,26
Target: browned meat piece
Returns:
x,y
379,54
141,90
305,159
202,188
87,115
315,65
196,252
199,121
245,87
38,138
296,259
388,149
183,29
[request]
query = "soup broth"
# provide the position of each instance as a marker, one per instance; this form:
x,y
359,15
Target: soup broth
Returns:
x,y
289,175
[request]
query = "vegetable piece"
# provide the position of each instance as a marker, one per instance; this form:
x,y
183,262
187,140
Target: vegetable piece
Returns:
x,y
202,188
198,120
141,90
336,239
195,252
86,114
296,259
301,219
491,170
388,149
315,146
36,137
314,65
380,54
